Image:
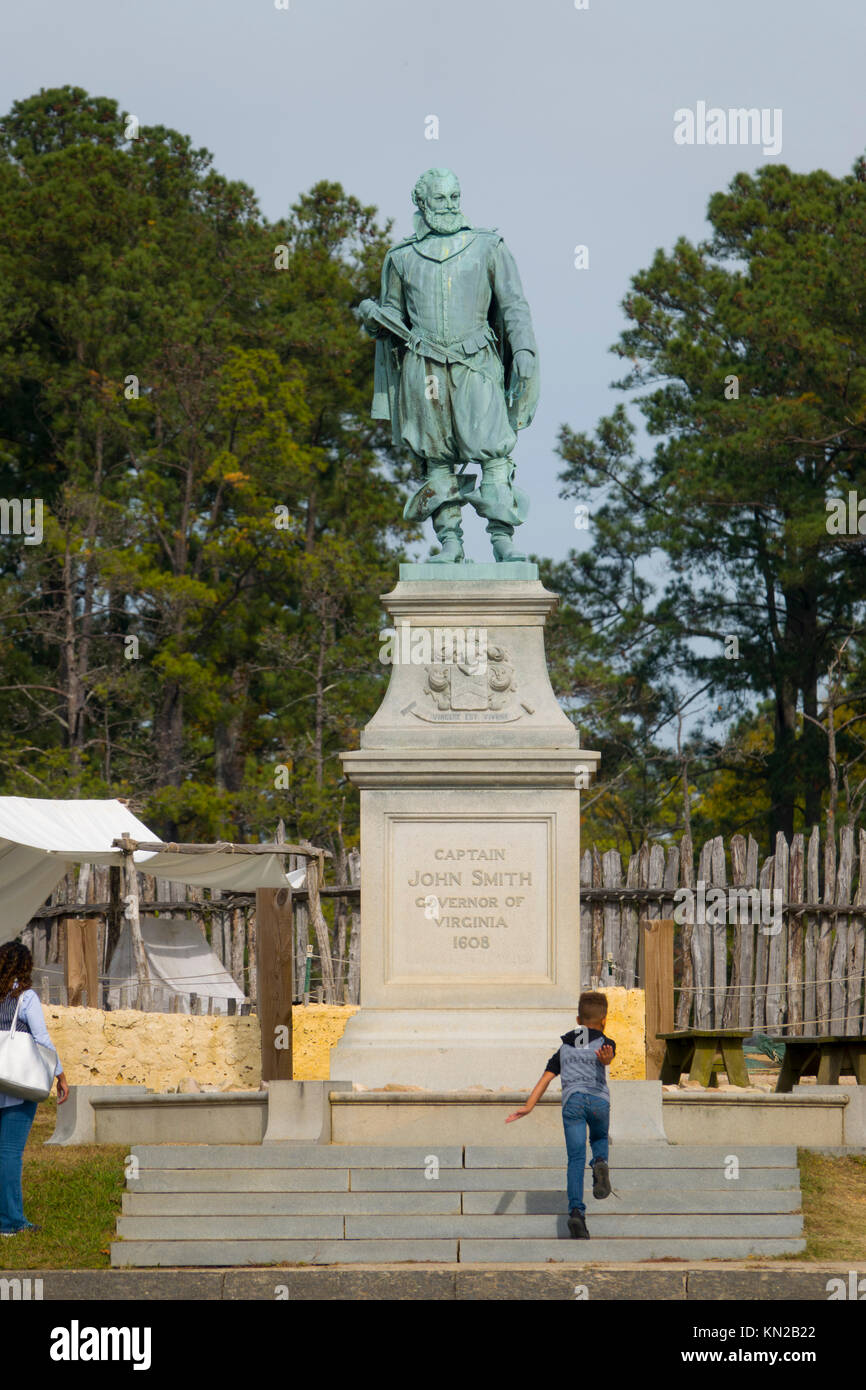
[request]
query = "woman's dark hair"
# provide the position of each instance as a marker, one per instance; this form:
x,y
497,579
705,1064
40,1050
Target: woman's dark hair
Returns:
x,y
16,963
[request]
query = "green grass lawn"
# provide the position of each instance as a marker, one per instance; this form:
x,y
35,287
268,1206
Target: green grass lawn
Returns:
x,y
834,1206
74,1194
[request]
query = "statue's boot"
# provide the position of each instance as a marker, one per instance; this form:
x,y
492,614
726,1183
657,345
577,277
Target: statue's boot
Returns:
x,y
500,533
449,533
502,505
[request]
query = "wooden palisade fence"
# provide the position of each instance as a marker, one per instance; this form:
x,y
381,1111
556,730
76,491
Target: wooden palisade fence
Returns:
x,y
801,971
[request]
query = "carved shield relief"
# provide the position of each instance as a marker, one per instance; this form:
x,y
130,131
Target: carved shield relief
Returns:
x,y
462,692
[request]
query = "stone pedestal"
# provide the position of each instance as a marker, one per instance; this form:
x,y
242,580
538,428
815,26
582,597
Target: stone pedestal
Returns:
x,y
470,778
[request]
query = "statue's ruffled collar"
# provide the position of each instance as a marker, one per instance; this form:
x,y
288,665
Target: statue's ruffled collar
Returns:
x,y
441,246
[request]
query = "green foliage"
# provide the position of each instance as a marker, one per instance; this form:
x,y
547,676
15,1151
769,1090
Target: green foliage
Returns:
x,y
220,511
750,352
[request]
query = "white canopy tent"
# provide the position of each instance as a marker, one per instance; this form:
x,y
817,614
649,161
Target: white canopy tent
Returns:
x,y
40,840
180,963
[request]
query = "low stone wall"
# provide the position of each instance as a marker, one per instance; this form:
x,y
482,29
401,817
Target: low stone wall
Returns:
x,y
124,1047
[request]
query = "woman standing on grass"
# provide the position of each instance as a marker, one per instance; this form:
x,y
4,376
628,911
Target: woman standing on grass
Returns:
x,y
16,1115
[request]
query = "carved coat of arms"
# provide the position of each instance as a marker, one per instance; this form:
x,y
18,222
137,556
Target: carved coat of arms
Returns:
x,y
473,686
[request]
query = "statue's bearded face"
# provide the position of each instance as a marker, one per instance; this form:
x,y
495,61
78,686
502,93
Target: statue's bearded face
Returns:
x,y
440,206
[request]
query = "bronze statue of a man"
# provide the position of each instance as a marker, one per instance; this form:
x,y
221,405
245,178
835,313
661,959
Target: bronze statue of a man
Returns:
x,y
456,366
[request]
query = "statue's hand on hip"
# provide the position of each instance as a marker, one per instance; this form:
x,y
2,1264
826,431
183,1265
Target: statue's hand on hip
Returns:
x,y
524,361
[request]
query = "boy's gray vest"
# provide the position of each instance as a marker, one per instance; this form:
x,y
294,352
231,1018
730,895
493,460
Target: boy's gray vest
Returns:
x,y
581,1071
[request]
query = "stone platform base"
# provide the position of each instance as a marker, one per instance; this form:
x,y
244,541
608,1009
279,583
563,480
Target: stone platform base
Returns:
x,y
808,1116
448,1049
323,1112
472,1117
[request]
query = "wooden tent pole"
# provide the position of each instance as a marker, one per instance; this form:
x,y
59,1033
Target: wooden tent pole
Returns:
x,y
131,901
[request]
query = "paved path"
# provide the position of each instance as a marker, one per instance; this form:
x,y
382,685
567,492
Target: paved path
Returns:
x,y
687,1282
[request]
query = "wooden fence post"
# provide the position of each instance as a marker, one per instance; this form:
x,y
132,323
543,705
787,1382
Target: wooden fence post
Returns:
x,y
687,880
810,949
274,992
765,883
857,950
702,944
825,938
796,937
740,957
839,961
719,934
239,941
597,939
777,950
658,942
585,921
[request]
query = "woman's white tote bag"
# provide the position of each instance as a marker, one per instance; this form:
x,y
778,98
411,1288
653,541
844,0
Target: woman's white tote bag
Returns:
x,y
26,1066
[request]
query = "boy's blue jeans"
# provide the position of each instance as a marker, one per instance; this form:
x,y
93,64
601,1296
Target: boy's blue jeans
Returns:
x,y
579,1114
15,1123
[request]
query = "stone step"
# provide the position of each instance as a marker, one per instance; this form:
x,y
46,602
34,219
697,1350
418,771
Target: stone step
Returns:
x,y
251,1156
287,1180
444,1203
152,1254
553,1179
228,1253
245,1180
290,1203
325,1156
680,1201
145,1228
606,1223
622,1156
454,1227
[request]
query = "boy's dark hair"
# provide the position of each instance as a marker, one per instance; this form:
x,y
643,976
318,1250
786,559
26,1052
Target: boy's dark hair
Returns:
x,y
592,1006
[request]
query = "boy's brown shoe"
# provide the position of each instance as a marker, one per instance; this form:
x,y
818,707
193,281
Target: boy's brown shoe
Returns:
x,y
577,1225
600,1180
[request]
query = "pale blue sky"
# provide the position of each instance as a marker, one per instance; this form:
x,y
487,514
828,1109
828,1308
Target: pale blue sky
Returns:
x,y
559,123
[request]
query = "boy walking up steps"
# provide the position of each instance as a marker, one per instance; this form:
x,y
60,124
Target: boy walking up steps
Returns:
x,y
580,1063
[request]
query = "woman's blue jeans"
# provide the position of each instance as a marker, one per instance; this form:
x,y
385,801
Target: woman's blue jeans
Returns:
x,y
579,1114
15,1124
